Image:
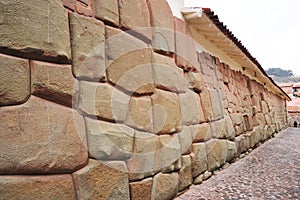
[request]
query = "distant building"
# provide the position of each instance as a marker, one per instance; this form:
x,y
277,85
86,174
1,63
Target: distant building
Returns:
x,y
296,89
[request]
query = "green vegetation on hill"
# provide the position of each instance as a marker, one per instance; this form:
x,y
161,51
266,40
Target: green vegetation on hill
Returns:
x,y
279,72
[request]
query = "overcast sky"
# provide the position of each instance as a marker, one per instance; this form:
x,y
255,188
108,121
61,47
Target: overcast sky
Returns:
x,y
269,29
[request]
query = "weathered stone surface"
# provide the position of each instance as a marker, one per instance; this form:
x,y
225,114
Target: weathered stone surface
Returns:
x,y
191,109
185,50
53,82
236,118
134,65
168,151
14,80
216,153
103,100
141,163
261,120
88,47
231,151
141,190
165,72
165,186
201,132
107,11
108,141
264,107
37,187
199,159
217,106
255,136
135,15
102,180
198,179
206,104
223,128
196,81
248,122
175,166
185,140
140,113
84,7
166,112
163,23
41,137
185,173
242,143
46,34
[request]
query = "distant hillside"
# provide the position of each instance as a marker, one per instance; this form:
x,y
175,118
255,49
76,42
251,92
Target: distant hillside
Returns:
x,y
286,79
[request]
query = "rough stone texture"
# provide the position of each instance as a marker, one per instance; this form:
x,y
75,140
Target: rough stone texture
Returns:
x,y
53,82
107,11
216,153
165,186
216,104
201,132
185,50
103,100
37,187
199,159
166,112
71,4
84,7
46,34
141,164
168,151
165,72
231,151
191,109
108,141
133,65
140,113
206,104
141,190
134,14
163,23
41,137
102,180
14,80
185,173
271,171
185,139
196,81
88,47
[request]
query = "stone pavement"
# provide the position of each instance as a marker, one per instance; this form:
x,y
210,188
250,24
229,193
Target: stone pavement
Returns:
x,y
271,171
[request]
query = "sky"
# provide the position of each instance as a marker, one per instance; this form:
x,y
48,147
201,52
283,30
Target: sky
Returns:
x,y
269,29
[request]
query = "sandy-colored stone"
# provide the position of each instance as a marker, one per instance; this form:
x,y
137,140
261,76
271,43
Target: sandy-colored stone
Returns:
x,y
217,106
165,72
185,139
140,113
231,151
168,151
198,179
223,128
236,118
41,137
255,136
199,159
196,81
102,180
206,104
264,107
166,112
141,190
103,100
88,47
107,11
133,65
185,173
163,25
216,153
35,29
53,82
37,187
14,80
248,122
261,120
109,141
165,186
191,109
141,163
201,132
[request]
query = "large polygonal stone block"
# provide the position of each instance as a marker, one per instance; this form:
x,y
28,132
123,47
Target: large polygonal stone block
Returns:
x,y
199,159
216,153
107,11
35,29
14,80
165,186
41,137
185,173
201,132
141,190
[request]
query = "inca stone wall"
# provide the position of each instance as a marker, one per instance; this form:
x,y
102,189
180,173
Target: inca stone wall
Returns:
x,y
92,111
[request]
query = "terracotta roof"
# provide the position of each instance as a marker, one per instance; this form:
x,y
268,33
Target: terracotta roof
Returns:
x,y
215,19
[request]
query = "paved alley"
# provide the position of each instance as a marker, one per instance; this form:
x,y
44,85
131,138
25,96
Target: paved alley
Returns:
x,y
270,172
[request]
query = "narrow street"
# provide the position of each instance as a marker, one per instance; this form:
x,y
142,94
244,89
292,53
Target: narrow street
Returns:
x,y
270,172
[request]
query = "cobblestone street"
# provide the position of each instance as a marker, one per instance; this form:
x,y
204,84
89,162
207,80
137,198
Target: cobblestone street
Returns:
x,y
271,172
